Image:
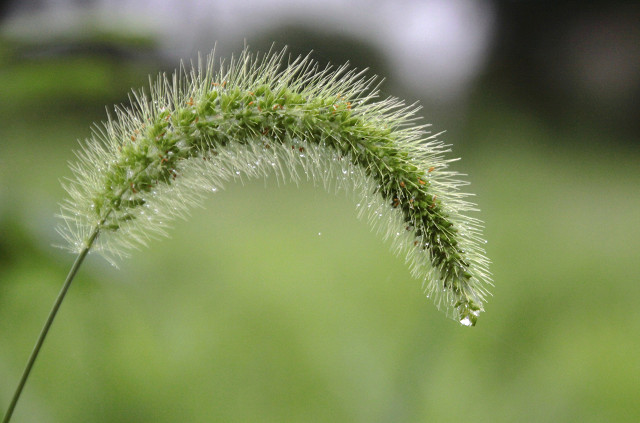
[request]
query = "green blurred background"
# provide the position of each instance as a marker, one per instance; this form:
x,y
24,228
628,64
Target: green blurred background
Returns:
x,y
275,303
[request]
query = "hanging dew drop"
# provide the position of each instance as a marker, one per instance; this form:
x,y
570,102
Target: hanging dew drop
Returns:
x,y
466,321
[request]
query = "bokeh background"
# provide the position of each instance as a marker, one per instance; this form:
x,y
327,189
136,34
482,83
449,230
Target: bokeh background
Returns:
x,y
275,303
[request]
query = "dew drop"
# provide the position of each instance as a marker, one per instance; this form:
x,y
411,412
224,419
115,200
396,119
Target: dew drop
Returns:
x,y
319,233
466,321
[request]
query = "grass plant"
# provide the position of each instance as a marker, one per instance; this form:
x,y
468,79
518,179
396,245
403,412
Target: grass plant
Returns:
x,y
257,116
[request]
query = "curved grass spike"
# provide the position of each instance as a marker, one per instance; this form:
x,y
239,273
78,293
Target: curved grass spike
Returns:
x,y
257,116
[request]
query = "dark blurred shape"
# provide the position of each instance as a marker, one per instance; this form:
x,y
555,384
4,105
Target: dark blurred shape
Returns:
x,y
325,48
74,73
5,6
112,47
573,64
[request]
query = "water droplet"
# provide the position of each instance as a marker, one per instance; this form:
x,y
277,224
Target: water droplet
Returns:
x,y
466,320
319,233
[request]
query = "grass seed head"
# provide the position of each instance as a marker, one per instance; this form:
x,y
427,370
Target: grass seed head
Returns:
x,y
257,116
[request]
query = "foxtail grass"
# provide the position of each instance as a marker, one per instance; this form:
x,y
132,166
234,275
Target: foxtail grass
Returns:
x,y
256,116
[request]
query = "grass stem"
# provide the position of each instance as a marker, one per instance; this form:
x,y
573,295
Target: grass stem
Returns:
x,y
47,325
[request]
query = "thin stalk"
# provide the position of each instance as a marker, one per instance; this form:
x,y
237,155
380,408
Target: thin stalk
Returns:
x,y
48,323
